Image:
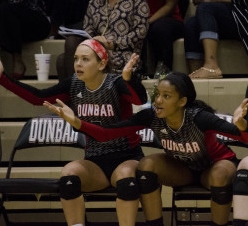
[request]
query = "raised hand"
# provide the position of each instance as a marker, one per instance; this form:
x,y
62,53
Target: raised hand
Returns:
x,y
64,112
127,70
239,113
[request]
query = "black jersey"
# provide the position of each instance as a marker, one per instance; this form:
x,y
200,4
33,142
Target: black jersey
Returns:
x,y
195,143
110,103
101,107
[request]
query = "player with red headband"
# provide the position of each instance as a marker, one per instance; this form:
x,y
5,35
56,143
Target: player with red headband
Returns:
x,y
95,96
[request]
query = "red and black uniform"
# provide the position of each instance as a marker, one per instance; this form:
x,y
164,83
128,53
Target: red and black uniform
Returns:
x,y
195,143
110,103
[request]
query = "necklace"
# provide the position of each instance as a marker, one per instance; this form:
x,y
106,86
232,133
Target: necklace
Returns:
x,y
175,131
108,16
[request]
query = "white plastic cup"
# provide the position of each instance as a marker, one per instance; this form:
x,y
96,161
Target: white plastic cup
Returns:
x,y
42,63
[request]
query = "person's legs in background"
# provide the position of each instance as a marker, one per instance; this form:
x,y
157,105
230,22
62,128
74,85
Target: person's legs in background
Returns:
x,y
20,24
65,13
161,40
193,48
65,61
213,21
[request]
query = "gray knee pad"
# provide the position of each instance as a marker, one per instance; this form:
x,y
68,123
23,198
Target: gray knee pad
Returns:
x,y
70,187
240,184
148,181
127,189
222,195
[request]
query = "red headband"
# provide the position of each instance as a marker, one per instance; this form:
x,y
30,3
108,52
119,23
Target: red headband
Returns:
x,y
96,47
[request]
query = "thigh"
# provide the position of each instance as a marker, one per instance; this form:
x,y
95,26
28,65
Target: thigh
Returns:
x,y
243,163
220,174
217,17
166,28
171,172
192,36
91,175
124,170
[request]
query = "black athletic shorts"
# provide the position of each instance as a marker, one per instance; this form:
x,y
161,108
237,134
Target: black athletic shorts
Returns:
x,y
109,162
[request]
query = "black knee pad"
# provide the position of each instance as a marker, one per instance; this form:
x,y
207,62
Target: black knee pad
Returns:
x,y
127,189
240,184
222,195
70,187
148,181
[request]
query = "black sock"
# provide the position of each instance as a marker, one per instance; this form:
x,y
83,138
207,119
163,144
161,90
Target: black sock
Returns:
x,y
240,222
157,222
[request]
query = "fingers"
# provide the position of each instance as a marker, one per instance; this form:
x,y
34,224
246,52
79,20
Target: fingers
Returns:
x,y
61,103
134,58
132,61
244,102
51,107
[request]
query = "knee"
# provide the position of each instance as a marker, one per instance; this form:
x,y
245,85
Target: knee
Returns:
x,y
73,168
222,195
240,184
147,181
147,164
220,177
127,189
70,187
243,163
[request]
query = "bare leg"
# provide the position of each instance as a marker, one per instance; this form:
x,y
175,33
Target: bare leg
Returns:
x,y
71,45
92,179
240,202
126,209
75,206
220,213
194,65
220,175
18,64
210,67
60,66
210,53
163,166
65,61
152,205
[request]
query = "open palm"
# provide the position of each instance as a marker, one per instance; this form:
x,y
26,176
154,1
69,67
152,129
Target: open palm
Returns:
x,y
127,70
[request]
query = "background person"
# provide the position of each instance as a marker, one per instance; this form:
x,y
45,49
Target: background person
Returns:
x,y
120,25
166,25
65,13
214,20
21,21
